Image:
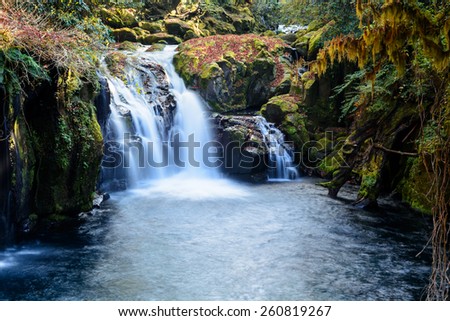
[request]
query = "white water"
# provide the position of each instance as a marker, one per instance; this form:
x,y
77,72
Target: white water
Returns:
x,y
186,175
281,163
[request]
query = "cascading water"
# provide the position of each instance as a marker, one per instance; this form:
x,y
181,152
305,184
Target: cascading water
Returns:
x,y
281,163
155,138
158,139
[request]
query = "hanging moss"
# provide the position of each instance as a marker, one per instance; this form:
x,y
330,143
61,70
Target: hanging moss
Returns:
x,y
415,187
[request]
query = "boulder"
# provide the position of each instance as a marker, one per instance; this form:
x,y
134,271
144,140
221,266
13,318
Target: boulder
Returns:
x,y
244,149
234,72
161,37
152,27
119,17
125,34
177,27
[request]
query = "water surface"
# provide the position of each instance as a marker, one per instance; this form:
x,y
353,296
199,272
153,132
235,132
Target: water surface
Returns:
x,y
274,241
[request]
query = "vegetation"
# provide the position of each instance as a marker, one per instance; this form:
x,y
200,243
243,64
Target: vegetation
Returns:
x,y
414,39
378,69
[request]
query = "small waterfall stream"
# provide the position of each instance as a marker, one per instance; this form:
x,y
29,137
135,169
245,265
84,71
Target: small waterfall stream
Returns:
x,y
281,161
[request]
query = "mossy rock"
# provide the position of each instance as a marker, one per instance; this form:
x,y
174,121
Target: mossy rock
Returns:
x,y
119,17
219,27
315,25
156,47
140,33
127,46
160,38
152,27
116,62
177,27
234,72
316,40
125,34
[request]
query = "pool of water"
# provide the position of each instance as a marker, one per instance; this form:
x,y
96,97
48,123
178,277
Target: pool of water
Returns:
x,y
222,240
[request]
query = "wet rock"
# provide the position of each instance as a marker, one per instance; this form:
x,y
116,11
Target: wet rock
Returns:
x,y
243,147
99,199
177,27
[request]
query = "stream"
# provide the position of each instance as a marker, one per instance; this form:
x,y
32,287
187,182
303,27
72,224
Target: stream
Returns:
x,y
273,241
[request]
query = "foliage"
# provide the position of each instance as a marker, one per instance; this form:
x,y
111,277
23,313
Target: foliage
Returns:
x,y
308,12
31,45
245,48
413,37
268,15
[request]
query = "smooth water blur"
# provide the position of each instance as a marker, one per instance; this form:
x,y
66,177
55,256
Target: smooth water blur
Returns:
x,y
174,241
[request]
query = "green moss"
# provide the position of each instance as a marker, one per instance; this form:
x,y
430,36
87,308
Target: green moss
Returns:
x,y
209,72
153,27
125,34
157,47
128,46
160,38
237,134
116,63
118,17
415,186
370,176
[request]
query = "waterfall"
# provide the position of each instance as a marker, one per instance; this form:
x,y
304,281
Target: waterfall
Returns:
x,y
280,163
158,129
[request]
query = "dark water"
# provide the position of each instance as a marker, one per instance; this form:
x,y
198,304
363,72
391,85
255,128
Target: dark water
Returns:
x,y
277,241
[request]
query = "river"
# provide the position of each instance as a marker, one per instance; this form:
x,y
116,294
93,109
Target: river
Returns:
x,y
223,240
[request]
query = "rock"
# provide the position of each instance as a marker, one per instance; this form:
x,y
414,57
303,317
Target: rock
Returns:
x,y
156,47
309,42
125,34
234,72
127,46
152,27
160,38
99,199
119,17
177,27
244,149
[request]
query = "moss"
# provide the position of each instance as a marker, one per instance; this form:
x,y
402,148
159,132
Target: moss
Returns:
x,y
140,32
116,63
415,186
209,72
25,164
315,25
152,27
284,112
125,34
370,177
329,165
119,17
177,27
160,38
128,46
237,134
157,47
